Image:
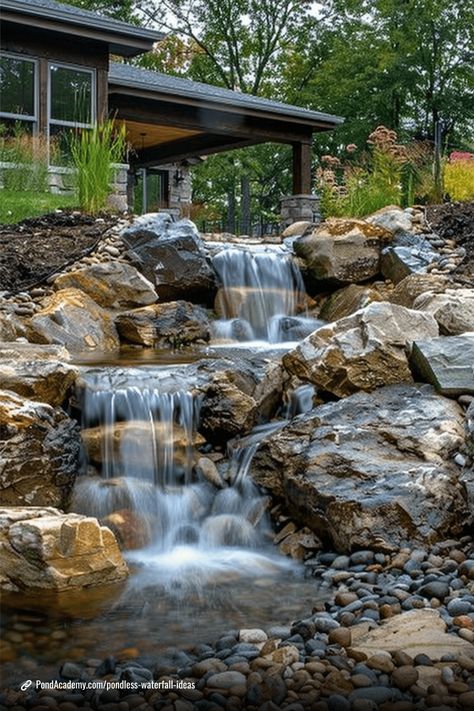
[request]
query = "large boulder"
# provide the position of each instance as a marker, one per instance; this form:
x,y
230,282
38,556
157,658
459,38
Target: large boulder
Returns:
x,y
21,350
400,261
40,453
371,470
111,284
453,310
175,324
361,352
393,219
71,318
341,251
446,363
172,257
237,396
44,549
412,286
45,380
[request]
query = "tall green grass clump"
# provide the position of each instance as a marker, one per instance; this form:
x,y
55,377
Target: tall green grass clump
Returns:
x,y
93,153
27,156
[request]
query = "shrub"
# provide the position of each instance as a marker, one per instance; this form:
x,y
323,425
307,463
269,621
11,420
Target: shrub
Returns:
x,y
459,176
93,152
28,155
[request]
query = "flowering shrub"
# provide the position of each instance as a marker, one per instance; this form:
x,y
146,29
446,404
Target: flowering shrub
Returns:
x,y
387,173
459,176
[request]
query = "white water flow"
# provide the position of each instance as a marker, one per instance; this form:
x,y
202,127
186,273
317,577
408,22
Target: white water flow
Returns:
x,y
262,297
140,443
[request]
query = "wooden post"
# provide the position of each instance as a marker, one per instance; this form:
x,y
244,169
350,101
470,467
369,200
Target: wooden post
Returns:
x,y
302,168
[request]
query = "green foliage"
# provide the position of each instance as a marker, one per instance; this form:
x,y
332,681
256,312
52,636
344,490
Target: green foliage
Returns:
x,y
18,205
94,151
459,179
28,156
123,10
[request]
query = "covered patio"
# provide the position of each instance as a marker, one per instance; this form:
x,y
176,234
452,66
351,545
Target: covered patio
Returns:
x,y
171,120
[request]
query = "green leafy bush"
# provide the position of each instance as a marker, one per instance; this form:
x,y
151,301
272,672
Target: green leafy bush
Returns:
x,y
93,152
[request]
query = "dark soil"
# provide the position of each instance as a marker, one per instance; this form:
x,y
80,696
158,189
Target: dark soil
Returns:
x,y
456,221
40,246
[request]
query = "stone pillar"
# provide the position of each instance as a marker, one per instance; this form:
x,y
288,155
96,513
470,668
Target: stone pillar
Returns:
x,y
295,208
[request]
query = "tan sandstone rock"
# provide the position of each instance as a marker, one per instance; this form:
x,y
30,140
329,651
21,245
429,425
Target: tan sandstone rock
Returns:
x,y
111,284
361,352
44,549
453,310
71,318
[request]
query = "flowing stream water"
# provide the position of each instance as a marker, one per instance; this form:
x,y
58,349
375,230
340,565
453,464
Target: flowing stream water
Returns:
x,y
202,557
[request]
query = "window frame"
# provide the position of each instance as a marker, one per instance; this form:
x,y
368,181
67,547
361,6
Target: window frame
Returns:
x,y
34,119
72,124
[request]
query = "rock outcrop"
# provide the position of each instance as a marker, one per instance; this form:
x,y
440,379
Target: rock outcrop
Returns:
x,y
171,256
174,324
44,549
347,301
71,318
341,251
453,310
447,363
39,458
361,352
411,287
372,470
48,381
111,284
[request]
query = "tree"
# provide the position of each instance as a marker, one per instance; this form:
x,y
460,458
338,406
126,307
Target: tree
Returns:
x,y
117,9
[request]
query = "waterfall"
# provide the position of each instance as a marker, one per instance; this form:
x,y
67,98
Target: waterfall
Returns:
x,y
261,296
141,462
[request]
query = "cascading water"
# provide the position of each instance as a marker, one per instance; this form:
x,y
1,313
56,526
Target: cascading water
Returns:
x,y
262,296
141,440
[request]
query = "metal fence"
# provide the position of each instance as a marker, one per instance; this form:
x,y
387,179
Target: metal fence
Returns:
x,y
255,229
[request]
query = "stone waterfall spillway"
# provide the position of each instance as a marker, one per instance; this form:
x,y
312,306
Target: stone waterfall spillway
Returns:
x,y
140,437
262,296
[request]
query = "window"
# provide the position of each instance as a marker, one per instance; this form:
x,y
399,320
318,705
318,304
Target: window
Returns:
x,y
71,106
18,94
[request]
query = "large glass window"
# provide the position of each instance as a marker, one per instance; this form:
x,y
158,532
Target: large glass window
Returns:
x,y
71,95
71,107
17,88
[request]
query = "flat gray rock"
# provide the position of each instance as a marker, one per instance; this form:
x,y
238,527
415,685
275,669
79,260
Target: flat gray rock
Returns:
x,y
447,363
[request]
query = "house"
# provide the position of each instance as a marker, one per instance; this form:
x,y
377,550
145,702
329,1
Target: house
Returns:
x,y
56,75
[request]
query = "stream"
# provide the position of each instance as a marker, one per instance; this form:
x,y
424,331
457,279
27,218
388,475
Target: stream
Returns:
x,y
203,559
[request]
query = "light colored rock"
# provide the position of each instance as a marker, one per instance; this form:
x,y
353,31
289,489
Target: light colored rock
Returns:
x,y
297,228
341,251
44,380
446,363
71,318
39,456
252,636
453,310
414,632
226,680
361,352
33,351
207,469
284,655
408,289
45,549
372,470
347,300
174,324
110,284
392,218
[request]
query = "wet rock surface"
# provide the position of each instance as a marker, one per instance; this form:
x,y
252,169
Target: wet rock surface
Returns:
x,y
44,549
174,324
40,453
362,351
372,470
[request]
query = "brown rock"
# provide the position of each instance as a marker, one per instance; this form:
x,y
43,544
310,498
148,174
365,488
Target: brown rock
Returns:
x,y
71,318
347,300
44,549
174,324
360,352
40,452
131,530
44,380
110,284
411,287
341,636
453,310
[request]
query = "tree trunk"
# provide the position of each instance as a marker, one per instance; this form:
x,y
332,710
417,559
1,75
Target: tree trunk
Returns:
x,y
245,203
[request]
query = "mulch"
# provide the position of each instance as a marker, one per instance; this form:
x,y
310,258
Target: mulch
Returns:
x,y
456,221
35,248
